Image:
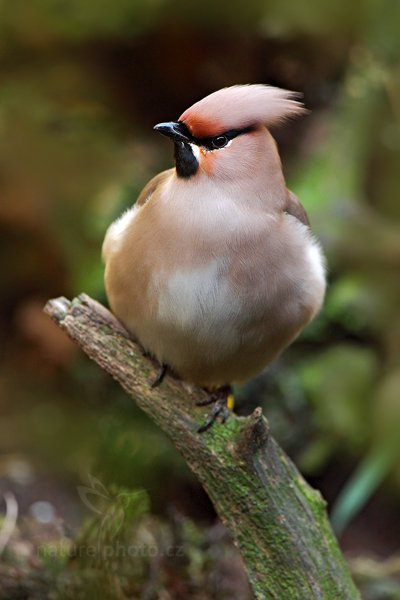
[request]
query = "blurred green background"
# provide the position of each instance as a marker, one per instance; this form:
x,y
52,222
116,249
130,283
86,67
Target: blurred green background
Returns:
x,y
81,85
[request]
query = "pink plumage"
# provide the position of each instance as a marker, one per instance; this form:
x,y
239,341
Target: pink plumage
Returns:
x,y
240,106
215,270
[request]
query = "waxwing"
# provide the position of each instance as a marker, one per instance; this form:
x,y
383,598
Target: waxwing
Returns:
x,y
214,270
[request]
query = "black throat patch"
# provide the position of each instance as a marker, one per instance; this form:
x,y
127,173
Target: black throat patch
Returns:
x,y
185,161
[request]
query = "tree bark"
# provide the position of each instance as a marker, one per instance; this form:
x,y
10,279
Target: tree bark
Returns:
x,y
276,519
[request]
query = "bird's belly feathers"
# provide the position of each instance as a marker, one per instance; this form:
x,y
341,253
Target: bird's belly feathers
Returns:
x,y
199,303
223,318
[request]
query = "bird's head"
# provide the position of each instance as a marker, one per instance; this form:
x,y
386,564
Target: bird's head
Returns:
x,y
224,135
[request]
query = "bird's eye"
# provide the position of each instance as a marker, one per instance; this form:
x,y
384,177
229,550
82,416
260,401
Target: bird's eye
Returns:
x,y
219,142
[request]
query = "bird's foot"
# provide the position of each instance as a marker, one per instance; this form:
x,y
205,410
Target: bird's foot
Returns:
x,y
161,373
222,398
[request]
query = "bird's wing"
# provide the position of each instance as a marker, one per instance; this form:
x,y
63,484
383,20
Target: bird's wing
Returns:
x,y
118,228
151,187
295,208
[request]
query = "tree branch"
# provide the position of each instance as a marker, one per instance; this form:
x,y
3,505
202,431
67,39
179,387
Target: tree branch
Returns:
x,y
277,520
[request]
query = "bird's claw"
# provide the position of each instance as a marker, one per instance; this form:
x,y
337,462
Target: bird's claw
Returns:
x,y
161,372
220,409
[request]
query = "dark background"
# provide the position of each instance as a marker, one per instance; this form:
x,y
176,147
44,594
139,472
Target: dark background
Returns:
x,y
81,85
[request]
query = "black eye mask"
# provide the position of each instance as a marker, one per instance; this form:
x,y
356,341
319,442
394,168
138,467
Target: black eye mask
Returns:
x,y
217,142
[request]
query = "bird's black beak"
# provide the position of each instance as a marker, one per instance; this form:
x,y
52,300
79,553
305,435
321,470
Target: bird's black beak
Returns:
x,y
185,161
175,130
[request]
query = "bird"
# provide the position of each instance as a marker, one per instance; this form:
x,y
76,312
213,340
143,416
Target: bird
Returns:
x,y
214,270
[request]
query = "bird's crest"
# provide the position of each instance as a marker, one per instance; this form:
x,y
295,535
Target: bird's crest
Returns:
x,y
240,106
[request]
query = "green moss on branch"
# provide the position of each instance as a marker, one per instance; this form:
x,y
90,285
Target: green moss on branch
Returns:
x,y
278,522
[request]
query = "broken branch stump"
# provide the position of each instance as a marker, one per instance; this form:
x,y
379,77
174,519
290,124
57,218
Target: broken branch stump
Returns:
x,y
277,520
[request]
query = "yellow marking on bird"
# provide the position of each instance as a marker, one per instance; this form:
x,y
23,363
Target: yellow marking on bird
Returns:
x,y
230,402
